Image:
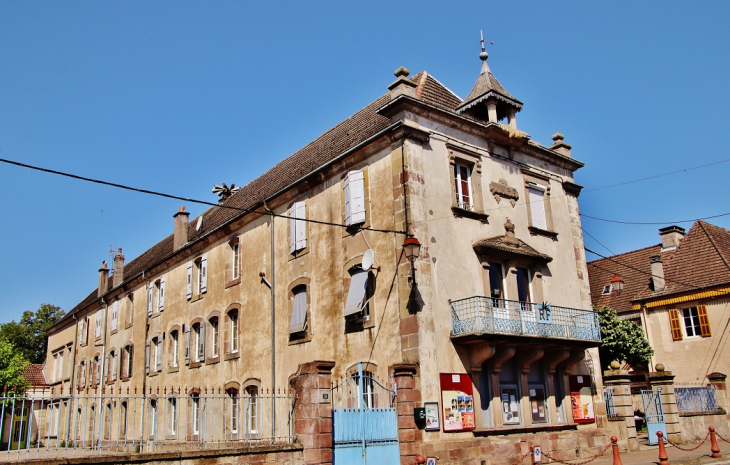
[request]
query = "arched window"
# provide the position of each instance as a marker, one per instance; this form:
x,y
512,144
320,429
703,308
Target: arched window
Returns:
x,y
251,404
174,348
231,332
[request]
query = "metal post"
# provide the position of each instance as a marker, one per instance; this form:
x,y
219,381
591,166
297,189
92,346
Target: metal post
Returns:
x,y
663,457
714,448
273,323
616,456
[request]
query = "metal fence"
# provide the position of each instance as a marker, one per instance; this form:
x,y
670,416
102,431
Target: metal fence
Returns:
x,y
48,425
610,402
483,315
696,399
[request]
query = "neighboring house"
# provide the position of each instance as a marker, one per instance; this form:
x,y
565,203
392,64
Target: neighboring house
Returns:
x,y
30,409
501,310
677,291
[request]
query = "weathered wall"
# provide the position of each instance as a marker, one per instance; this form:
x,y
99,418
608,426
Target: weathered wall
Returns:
x,y
695,427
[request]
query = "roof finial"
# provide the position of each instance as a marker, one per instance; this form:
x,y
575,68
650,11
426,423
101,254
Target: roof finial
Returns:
x,y
484,55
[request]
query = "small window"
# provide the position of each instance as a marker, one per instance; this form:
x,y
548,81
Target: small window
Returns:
x,y
251,408
198,342
174,348
691,319
536,199
298,323
354,187
130,310
462,183
97,332
297,228
115,315
214,336
197,280
231,332
233,410
358,297
195,398
607,289
235,255
127,361
172,407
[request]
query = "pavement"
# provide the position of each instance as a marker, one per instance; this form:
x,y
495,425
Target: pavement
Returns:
x,y
649,455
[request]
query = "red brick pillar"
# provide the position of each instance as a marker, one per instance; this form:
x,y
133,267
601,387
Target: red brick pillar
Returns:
x,y
312,385
411,438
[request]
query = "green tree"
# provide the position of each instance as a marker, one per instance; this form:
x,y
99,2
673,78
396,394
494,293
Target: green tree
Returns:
x,y
622,340
29,336
12,366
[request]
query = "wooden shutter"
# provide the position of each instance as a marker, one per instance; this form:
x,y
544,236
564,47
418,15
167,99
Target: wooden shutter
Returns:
x,y
354,198
190,280
704,321
201,345
204,274
106,371
186,329
115,314
98,323
301,226
293,229
675,324
147,357
150,294
537,206
161,296
158,361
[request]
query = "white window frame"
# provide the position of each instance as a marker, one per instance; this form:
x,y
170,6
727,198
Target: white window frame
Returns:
x,y
537,206
297,227
607,289
236,260
459,191
234,317
695,320
196,414
175,336
172,402
233,395
214,325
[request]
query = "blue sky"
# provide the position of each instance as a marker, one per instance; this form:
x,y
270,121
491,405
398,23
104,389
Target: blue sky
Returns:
x,y
179,96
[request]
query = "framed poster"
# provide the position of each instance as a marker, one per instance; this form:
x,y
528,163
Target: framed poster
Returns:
x,y
432,416
457,402
538,407
581,399
510,402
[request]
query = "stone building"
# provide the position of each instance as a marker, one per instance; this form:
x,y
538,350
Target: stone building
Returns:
x,y
493,314
677,291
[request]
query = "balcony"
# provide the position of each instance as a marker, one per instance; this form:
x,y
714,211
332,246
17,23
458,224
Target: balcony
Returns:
x,y
477,316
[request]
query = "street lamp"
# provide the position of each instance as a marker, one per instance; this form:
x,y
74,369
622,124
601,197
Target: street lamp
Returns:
x,y
412,248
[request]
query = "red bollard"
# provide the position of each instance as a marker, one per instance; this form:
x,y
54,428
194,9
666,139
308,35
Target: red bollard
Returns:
x,y
420,459
614,446
714,448
532,455
663,457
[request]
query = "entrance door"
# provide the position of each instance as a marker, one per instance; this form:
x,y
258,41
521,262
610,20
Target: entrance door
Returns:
x,y
654,413
19,436
365,421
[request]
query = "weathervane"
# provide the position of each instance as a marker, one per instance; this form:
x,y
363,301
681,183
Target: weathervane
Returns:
x,y
484,55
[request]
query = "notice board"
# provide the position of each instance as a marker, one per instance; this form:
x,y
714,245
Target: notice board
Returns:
x,y
581,399
457,402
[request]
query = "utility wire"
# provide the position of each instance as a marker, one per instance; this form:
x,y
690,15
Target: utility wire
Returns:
x,y
385,307
185,199
599,242
653,222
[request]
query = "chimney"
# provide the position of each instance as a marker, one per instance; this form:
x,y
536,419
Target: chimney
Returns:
x,y
402,85
671,235
103,279
657,272
118,276
559,145
180,237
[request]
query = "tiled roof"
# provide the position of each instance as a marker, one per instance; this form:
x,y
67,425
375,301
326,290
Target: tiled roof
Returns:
x,y
511,246
701,260
487,82
34,375
347,134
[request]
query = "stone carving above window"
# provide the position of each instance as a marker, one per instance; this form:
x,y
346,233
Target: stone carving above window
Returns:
x,y
502,190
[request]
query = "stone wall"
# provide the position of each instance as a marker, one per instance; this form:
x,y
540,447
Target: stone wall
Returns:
x,y
695,426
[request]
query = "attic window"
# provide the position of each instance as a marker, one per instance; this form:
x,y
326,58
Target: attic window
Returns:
x,y
607,289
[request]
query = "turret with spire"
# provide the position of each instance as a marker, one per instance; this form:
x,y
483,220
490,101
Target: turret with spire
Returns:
x,y
488,100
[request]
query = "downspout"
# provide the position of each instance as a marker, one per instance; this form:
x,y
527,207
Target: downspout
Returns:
x,y
104,368
273,325
73,376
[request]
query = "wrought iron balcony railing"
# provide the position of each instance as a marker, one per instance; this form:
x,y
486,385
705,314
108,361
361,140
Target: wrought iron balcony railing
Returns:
x,y
485,315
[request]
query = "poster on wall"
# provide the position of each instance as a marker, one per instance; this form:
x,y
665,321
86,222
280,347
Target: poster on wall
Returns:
x,y
432,416
457,402
581,399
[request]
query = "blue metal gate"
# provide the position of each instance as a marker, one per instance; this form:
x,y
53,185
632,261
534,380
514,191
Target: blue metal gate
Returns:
x,y
654,413
365,421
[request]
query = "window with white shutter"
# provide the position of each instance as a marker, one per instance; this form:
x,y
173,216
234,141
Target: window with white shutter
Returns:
x,y
298,322
158,355
204,274
115,315
106,368
150,298
354,187
147,357
161,295
98,323
115,366
186,329
201,342
190,281
536,197
297,227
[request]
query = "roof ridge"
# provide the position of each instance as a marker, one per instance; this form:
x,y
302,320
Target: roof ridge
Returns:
x,y
422,77
712,241
444,86
624,253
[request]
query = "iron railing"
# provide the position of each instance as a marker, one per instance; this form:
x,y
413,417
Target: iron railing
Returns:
x,y
696,399
610,402
48,425
485,315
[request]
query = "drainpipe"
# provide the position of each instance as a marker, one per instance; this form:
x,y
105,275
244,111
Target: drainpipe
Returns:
x,y
104,368
272,285
73,376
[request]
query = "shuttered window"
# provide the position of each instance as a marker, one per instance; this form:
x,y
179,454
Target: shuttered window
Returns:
x,y
204,274
97,332
158,355
536,197
147,357
190,281
150,295
675,325
115,315
691,320
354,198
201,342
297,227
186,329
298,321
161,295
356,295
704,321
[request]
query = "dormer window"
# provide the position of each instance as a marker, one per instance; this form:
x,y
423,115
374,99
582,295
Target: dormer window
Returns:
x,y
607,289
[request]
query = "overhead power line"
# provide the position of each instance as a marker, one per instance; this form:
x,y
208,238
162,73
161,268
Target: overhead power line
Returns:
x,y
653,222
184,199
635,269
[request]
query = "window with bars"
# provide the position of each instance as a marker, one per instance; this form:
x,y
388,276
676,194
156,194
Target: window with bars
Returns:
x,y
462,183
